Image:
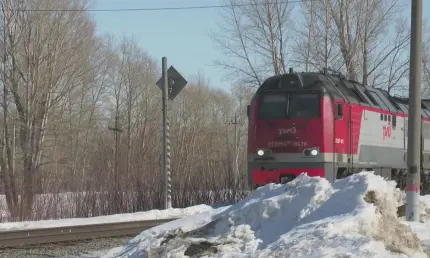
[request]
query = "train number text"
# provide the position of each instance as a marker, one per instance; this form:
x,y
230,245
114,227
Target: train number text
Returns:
x,y
287,144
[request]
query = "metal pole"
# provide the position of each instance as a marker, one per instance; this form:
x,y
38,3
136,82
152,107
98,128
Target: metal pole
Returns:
x,y
235,150
116,152
414,122
166,138
116,172
117,132
236,172
14,147
235,167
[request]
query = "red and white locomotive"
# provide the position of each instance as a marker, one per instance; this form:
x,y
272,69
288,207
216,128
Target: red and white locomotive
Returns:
x,y
327,126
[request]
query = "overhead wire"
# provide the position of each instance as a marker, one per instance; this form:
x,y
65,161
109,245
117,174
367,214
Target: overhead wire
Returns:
x,y
163,8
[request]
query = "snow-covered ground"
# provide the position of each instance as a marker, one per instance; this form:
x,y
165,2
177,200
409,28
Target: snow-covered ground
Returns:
x,y
126,217
67,205
308,217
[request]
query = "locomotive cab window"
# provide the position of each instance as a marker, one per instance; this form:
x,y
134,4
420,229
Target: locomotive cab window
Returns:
x,y
290,105
339,111
273,106
304,105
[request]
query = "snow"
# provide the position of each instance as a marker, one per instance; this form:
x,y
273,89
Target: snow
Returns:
x,y
308,217
124,217
426,200
65,205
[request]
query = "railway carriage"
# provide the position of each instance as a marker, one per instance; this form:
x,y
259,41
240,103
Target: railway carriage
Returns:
x,y
326,125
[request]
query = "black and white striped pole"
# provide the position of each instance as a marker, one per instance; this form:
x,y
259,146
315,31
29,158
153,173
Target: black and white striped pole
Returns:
x,y
171,83
166,139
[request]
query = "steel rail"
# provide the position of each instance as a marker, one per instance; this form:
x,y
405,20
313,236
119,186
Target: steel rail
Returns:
x,y
28,237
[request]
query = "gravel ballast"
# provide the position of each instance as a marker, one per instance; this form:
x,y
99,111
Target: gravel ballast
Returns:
x,y
91,248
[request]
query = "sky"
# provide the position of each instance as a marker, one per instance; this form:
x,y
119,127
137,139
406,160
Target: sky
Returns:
x,y
180,35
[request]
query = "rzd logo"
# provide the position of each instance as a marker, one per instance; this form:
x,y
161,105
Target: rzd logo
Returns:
x,y
291,130
386,132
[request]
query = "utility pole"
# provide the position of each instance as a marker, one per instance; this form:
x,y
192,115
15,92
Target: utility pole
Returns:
x,y
116,130
166,138
414,122
235,168
14,146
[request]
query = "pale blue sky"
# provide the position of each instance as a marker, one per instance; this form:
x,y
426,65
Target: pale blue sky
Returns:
x,y
181,35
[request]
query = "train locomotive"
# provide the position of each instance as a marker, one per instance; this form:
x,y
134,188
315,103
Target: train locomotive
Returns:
x,y
325,125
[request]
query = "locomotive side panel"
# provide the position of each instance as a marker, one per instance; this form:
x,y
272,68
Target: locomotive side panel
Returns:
x,y
376,142
425,135
425,140
381,143
341,138
425,132
355,129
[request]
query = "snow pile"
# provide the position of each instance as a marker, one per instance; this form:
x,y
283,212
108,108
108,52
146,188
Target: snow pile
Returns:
x,y
424,206
124,217
308,217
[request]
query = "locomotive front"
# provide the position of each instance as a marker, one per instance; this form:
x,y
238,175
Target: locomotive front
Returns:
x,y
290,129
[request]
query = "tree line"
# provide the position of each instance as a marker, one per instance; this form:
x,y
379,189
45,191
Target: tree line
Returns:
x,y
367,40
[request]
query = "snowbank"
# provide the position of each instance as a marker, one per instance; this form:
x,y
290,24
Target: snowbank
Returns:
x,y
308,217
124,217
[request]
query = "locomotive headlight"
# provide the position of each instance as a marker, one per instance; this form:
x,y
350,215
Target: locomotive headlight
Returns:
x,y
311,152
260,152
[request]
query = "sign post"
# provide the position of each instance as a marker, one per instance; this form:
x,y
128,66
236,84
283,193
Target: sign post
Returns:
x,y
171,83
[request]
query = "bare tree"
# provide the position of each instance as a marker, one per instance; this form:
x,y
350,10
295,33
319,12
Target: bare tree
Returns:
x,y
315,45
373,28
7,176
255,36
62,85
391,72
365,39
44,57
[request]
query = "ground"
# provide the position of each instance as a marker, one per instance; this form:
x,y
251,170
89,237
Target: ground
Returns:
x,y
358,216
308,217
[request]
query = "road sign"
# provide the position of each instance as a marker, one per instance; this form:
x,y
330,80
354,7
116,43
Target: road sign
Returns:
x,y
170,83
176,82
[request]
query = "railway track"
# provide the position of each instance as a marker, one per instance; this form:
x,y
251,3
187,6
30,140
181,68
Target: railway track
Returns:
x,y
31,237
